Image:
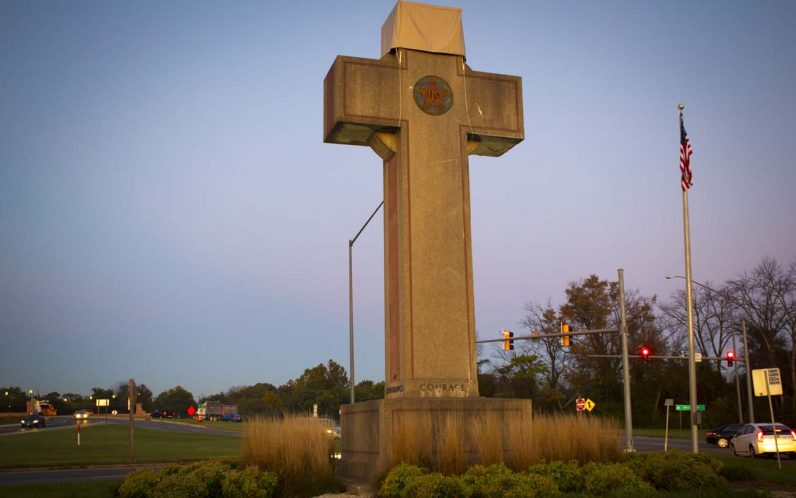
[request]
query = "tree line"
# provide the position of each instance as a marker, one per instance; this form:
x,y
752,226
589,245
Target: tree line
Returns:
x,y
552,375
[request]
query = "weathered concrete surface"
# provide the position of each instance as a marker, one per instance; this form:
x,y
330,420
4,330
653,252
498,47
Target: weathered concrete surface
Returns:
x,y
372,430
429,305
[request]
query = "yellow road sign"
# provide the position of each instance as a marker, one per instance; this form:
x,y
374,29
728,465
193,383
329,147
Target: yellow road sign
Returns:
x,y
590,405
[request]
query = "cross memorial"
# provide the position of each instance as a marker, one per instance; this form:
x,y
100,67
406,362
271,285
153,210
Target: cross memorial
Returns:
x,y
423,110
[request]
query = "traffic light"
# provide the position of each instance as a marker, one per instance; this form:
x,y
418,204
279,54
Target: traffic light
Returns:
x,y
730,357
645,352
508,342
565,339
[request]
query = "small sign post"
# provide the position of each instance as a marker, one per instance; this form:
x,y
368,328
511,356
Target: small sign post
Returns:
x,y
77,423
768,381
131,401
590,405
668,403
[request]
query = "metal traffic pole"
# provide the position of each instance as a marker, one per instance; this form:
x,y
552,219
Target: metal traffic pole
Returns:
x,y
748,374
737,382
625,364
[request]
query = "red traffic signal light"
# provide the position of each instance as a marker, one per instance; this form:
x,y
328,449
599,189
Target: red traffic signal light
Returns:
x,y
645,352
730,357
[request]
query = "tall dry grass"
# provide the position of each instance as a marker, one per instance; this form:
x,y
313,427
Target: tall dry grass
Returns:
x,y
486,431
411,440
568,437
450,442
295,448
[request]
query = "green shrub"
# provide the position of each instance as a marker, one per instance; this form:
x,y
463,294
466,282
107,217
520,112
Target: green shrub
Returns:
x,y
396,479
614,479
481,480
249,483
434,485
209,479
567,475
677,471
498,481
139,484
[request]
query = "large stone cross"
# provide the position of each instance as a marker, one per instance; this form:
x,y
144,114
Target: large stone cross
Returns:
x,y
423,113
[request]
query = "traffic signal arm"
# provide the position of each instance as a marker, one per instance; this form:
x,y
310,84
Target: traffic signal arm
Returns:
x,y
543,336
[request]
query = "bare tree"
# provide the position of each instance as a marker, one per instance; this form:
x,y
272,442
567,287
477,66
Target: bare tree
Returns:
x,y
714,317
544,320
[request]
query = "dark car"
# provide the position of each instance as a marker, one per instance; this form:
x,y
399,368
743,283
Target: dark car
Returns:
x,y
231,417
33,421
722,434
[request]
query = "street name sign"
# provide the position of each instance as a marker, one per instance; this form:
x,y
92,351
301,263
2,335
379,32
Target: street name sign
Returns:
x,y
687,408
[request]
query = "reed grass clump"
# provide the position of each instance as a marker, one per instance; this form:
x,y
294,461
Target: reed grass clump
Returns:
x,y
297,449
449,442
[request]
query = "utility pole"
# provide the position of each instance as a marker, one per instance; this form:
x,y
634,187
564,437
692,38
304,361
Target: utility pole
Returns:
x,y
625,364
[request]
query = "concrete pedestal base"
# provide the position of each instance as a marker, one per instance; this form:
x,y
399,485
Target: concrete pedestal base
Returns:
x,y
378,434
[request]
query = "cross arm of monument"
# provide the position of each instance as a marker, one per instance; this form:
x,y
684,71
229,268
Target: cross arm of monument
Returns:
x,y
365,97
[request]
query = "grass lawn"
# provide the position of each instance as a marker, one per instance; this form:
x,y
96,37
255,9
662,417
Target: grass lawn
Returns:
x,y
212,424
765,469
109,444
99,489
10,420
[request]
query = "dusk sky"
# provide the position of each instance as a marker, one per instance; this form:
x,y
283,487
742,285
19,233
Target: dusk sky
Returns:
x,y
169,211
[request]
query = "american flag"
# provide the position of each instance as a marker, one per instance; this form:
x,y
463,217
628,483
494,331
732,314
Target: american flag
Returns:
x,y
685,157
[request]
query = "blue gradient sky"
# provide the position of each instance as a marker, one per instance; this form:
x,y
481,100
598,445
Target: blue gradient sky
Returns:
x,y
169,212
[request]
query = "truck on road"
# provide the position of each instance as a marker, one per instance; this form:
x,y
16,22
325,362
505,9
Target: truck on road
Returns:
x,y
214,410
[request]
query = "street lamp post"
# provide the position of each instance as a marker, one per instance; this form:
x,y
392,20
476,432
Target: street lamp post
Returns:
x,y
745,351
351,300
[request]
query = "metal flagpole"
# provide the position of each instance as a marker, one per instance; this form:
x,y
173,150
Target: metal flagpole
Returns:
x,y
692,388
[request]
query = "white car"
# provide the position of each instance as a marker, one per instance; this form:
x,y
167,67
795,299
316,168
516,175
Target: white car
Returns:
x,y
758,439
83,414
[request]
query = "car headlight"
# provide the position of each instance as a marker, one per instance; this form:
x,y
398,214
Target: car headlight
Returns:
x,y
35,421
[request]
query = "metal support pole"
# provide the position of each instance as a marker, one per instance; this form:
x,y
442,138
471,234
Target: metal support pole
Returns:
x,y
351,317
625,364
351,299
748,366
737,382
692,384
773,423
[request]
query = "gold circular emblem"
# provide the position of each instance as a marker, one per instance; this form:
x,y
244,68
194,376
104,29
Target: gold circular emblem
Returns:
x,y
433,95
